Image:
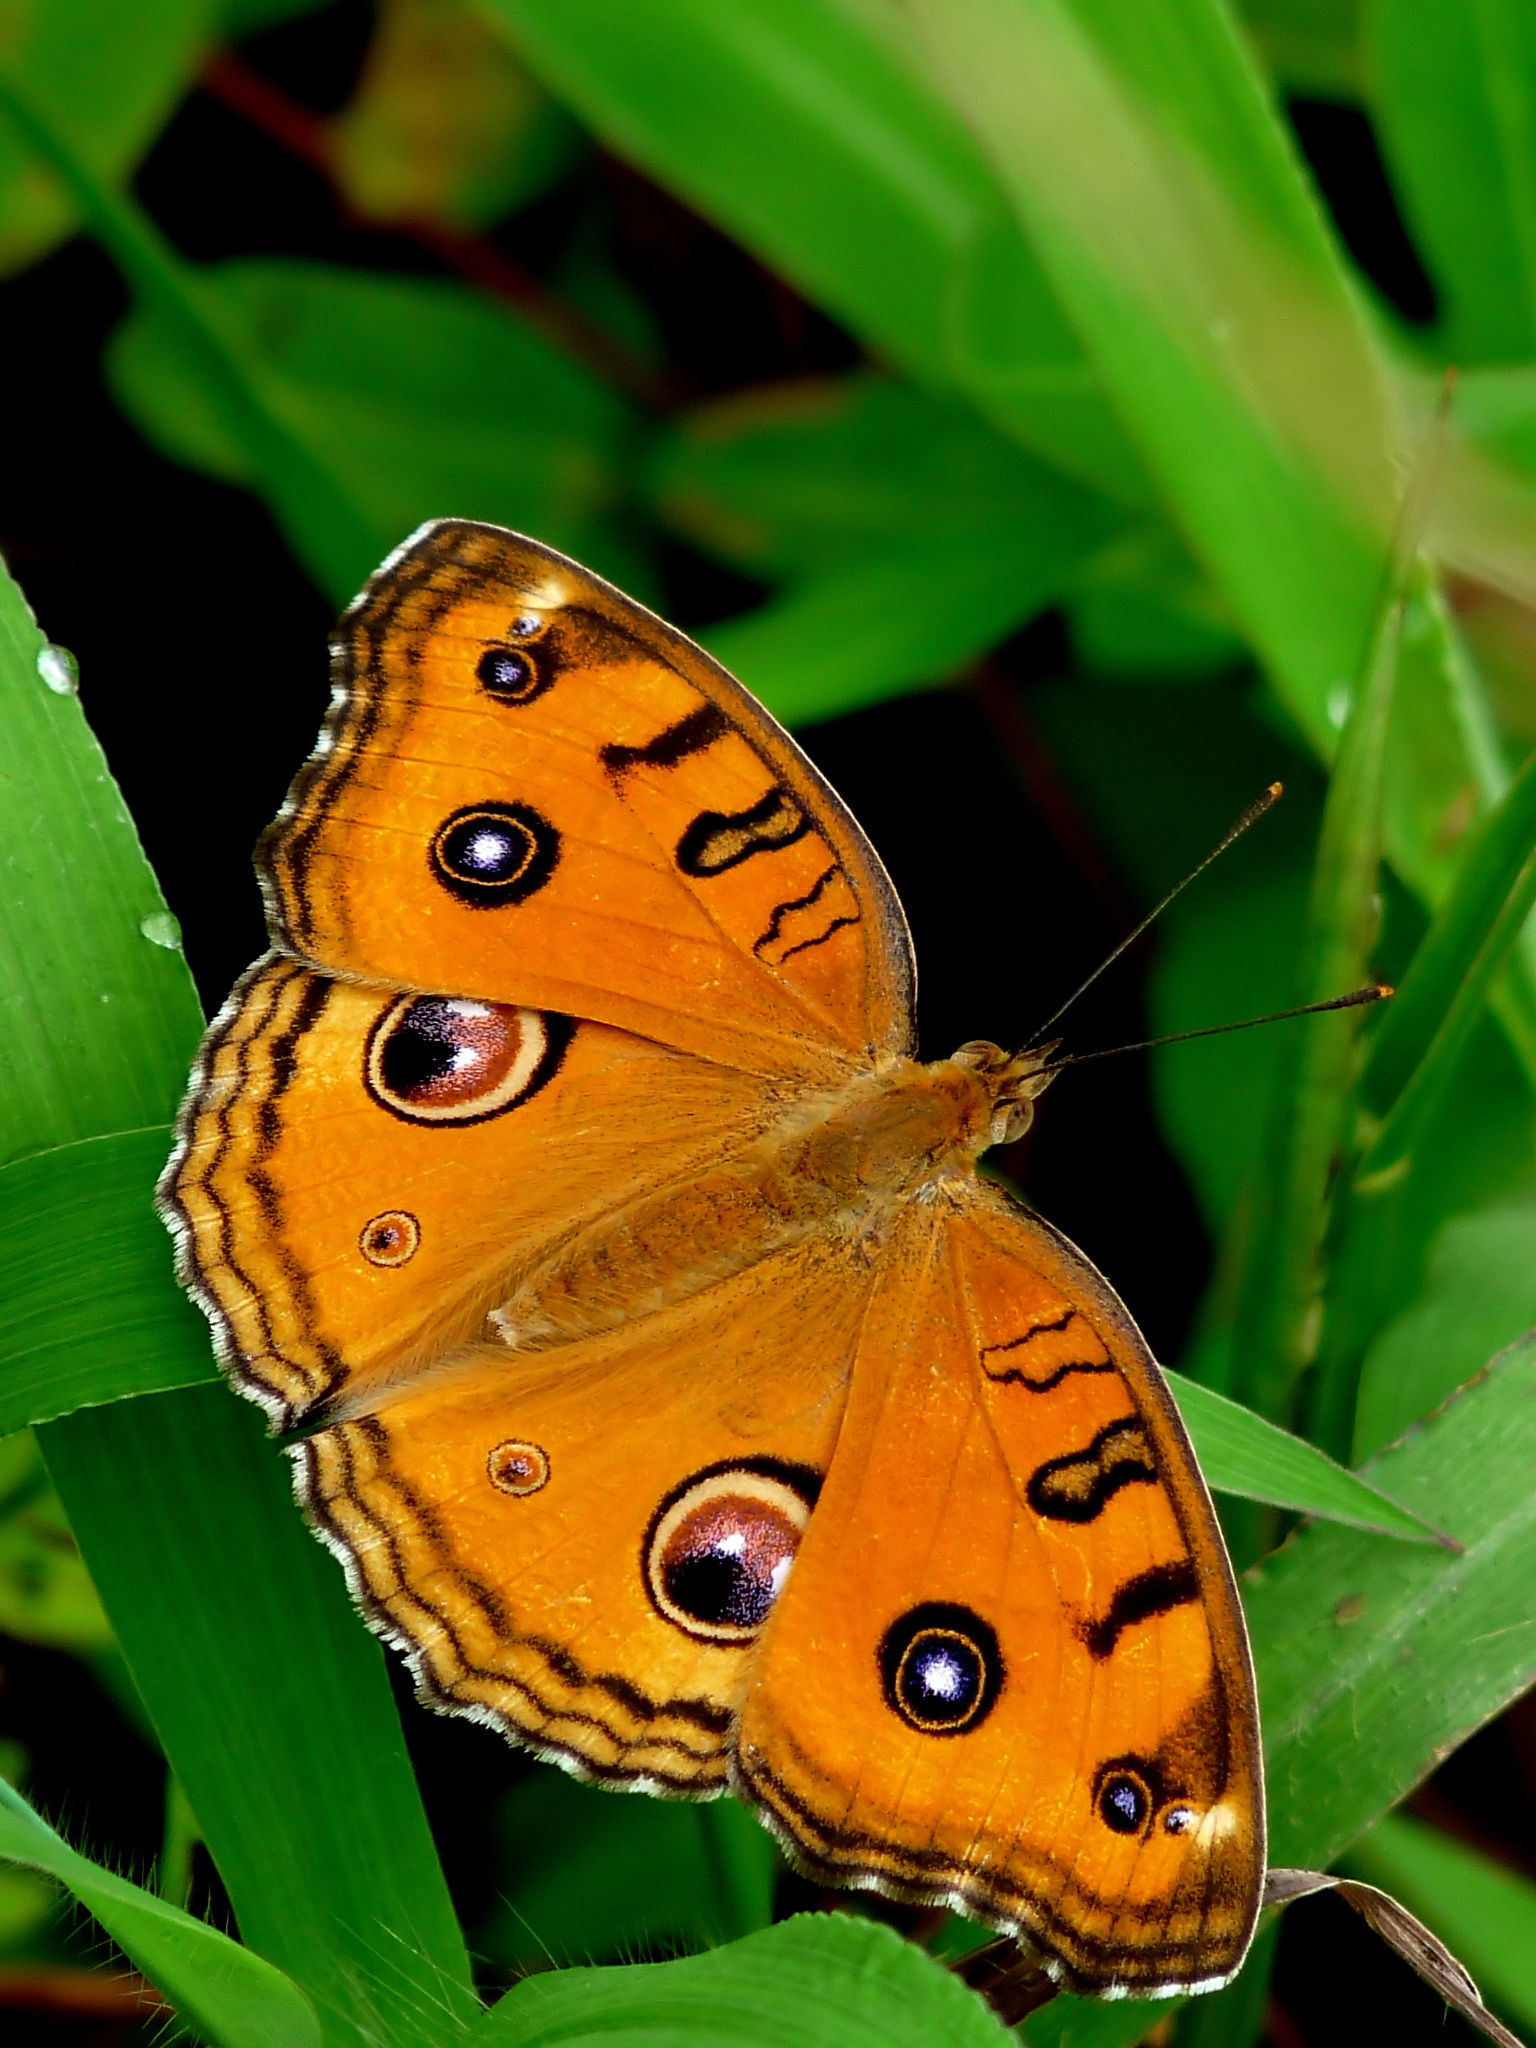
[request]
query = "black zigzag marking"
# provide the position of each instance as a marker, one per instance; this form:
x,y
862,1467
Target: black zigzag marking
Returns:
x,y
717,840
1078,1487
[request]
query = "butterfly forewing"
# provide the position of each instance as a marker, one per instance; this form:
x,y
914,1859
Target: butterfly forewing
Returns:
x,y
533,791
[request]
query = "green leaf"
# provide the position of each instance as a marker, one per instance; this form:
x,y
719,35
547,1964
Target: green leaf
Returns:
x,y
64,1346
230,1996
1479,1295
419,394
608,1877
1374,1660
798,479
1162,198
1453,90
1484,1911
901,619
114,71
272,1703
817,1981
1241,1453
1275,1333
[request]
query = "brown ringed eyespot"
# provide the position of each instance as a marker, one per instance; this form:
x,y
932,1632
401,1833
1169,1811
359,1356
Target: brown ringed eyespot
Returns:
x,y
390,1239
518,1467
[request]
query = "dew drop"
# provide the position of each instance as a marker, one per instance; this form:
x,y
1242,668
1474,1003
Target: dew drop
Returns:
x,y
59,670
161,929
1337,705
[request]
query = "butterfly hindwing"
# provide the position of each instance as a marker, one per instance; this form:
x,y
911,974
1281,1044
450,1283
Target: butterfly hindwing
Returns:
x,y
533,791
1009,1671
579,1545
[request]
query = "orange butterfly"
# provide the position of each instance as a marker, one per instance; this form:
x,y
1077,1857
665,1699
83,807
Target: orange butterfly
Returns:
x,y
677,1397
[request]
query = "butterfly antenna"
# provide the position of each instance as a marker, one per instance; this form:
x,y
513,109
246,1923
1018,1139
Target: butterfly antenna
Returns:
x,y
1251,816
1374,992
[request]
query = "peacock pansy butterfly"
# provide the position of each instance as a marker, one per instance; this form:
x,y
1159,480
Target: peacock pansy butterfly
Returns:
x,y
675,1393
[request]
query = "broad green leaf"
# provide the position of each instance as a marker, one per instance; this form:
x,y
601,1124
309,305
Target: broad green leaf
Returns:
x,y
64,1346
231,1997
1241,1453
272,1703
800,479
423,396
1375,1659
898,620
1483,1911
1453,90
817,1981
1479,1295
113,71
592,1878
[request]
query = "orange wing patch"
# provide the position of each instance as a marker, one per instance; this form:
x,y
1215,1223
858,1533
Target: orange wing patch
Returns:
x,y
1009,1673
585,814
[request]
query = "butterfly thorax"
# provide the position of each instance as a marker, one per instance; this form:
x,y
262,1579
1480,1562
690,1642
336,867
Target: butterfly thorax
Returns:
x,y
844,1162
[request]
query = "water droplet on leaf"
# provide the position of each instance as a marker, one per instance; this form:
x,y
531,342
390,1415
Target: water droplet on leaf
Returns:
x,y
59,670
161,929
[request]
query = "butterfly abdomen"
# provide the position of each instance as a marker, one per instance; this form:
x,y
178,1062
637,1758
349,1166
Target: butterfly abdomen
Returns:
x,y
837,1164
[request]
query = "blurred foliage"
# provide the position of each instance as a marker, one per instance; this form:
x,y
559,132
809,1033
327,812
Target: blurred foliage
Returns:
x,y
1068,352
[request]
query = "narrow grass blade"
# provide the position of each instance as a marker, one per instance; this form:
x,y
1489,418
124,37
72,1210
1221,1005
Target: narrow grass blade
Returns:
x,y
64,1346
231,1997
1454,91
1241,1453
1275,1333
1483,1910
1426,1028
817,1981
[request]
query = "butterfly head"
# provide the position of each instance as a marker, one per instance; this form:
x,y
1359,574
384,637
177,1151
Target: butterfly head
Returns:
x,y
1015,1079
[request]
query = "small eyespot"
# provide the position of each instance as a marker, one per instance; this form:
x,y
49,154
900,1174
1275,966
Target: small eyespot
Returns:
x,y
517,1467
1124,1803
941,1668
390,1239
452,1060
491,854
1178,1820
720,1547
513,675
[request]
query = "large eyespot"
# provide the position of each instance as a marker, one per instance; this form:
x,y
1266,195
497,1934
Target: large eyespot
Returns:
x,y
720,1546
392,1239
941,1667
1124,1800
514,675
490,854
452,1060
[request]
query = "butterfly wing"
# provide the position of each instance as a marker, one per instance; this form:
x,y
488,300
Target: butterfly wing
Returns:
x,y
533,791
579,1546
1010,1671
364,1174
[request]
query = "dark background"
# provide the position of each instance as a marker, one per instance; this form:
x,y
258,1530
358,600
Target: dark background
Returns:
x,y
202,649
